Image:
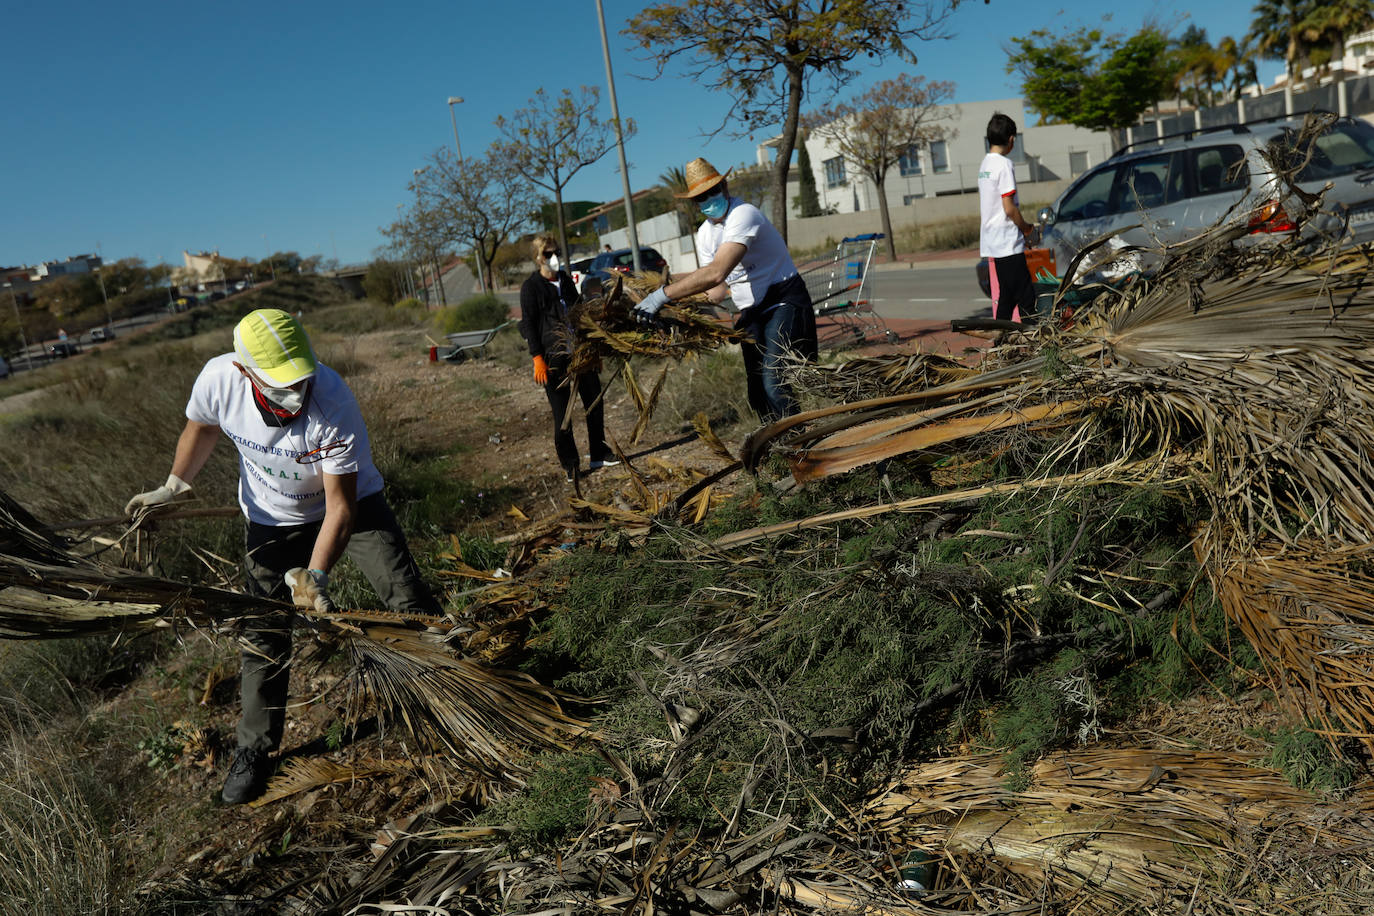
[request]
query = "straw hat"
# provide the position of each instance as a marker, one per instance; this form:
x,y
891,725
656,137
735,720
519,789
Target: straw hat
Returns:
x,y
701,177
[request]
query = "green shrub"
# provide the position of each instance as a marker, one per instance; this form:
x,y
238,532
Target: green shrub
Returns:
x,y
1308,760
475,314
555,802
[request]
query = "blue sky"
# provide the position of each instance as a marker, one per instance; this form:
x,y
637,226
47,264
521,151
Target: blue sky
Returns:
x,y
152,127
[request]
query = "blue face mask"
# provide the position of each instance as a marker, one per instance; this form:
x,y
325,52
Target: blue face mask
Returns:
x,y
714,207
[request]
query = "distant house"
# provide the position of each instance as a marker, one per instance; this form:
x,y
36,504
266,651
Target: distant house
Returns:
x,y
77,264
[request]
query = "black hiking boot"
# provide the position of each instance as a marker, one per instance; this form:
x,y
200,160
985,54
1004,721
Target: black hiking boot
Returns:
x,y
248,776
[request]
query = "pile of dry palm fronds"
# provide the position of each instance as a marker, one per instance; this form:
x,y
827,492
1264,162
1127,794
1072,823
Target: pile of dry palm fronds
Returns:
x,y
1102,829
606,328
404,665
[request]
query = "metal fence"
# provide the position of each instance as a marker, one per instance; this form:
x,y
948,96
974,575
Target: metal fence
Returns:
x,y
1360,95
1220,115
1266,106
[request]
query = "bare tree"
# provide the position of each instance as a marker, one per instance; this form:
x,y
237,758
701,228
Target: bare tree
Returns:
x,y
875,129
478,202
764,52
555,138
419,238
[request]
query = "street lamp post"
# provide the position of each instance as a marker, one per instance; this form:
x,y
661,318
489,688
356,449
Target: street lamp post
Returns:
x,y
100,275
455,100
23,338
619,142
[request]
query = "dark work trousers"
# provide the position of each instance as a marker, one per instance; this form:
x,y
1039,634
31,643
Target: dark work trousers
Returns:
x,y
559,393
1012,288
377,546
782,322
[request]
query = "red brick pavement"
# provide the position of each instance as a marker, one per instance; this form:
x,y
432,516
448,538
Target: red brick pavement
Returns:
x,y
914,336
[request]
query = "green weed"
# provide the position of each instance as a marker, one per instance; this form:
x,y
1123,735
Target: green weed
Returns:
x,y
1308,760
555,802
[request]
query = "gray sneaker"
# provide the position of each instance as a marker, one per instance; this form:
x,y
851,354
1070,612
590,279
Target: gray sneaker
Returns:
x,y
248,775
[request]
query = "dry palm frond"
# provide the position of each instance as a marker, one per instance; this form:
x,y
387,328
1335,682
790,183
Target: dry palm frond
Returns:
x,y
1131,824
877,376
702,424
1309,612
605,327
1264,375
480,715
302,774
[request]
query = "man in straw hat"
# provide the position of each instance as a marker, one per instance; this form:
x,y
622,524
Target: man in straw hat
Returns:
x,y
307,488
744,257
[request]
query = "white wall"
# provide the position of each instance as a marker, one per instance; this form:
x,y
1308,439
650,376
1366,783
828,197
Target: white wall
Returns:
x,y
661,234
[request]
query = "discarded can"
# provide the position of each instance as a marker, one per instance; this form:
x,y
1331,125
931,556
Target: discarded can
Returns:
x,y
917,872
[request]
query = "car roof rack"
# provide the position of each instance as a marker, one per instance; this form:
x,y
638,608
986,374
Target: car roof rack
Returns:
x,y
1235,128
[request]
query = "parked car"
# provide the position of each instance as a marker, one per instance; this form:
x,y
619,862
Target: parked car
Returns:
x,y
1173,188
578,269
102,334
622,261
63,348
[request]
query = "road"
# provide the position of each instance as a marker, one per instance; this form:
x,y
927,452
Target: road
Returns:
x,y
939,291
928,293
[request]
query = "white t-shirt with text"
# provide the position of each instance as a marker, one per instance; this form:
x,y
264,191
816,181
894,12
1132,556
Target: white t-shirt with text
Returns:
x,y
766,259
274,487
998,236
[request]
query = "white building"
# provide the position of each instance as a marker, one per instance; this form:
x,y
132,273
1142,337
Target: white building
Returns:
x,y
77,264
1053,153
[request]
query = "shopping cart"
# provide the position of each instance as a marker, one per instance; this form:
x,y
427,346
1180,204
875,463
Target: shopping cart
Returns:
x,y
843,316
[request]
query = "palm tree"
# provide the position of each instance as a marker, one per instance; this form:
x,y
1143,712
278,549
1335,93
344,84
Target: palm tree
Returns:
x,y
675,180
1276,32
1236,62
1327,24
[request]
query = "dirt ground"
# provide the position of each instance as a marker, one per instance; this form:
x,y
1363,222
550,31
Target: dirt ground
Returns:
x,y
490,412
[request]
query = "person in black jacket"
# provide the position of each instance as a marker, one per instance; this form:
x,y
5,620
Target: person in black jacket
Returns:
x,y
546,298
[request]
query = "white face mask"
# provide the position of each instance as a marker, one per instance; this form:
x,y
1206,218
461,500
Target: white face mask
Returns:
x,y
554,265
288,399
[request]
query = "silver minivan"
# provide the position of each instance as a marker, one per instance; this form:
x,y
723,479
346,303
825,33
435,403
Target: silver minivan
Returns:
x,y
1163,191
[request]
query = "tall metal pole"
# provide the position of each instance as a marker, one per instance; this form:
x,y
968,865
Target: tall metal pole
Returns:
x,y
100,275
23,338
455,100
619,139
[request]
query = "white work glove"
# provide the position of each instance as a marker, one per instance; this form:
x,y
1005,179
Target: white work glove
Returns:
x,y
174,489
646,312
310,589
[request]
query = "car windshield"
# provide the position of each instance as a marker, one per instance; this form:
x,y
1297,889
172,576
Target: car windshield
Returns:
x,y
1347,147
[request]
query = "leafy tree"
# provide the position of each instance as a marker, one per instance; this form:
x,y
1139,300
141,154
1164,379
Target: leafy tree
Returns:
x,y
478,202
385,281
764,53
555,138
878,127
808,200
1091,80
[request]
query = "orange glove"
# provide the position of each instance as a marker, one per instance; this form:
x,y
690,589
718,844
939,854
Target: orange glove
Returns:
x,y
541,371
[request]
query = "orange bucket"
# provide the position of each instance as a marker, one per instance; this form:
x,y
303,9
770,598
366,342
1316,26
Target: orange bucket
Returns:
x,y
1040,263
